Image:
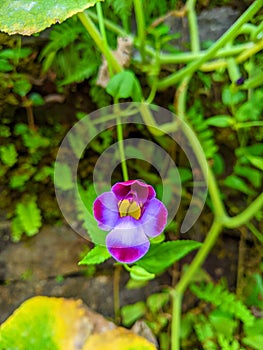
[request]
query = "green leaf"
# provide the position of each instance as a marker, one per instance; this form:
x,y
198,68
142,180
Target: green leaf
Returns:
x,y
223,323
8,154
256,161
221,121
124,85
218,164
5,66
251,174
254,292
63,179
85,213
131,313
18,181
256,328
156,301
44,173
15,53
97,255
36,99
236,183
16,229
231,98
161,256
22,86
30,216
254,341
138,273
26,18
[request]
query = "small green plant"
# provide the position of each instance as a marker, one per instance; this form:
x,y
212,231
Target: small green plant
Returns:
x,y
27,219
221,324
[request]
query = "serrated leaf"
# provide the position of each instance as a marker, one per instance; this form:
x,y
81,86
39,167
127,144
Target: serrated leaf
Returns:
x,y
97,255
28,17
30,216
161,256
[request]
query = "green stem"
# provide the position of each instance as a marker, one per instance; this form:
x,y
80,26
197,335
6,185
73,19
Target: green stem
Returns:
x,y
245,215
214,192
116,292
94,33
255,231
250,52
186,57
181,97
101,22
121,150
176,320
187,278
193,27
248,124
138,8
210,53
103,33
108,24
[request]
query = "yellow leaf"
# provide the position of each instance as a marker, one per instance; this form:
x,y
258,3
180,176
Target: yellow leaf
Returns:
x,y
117,339
43,323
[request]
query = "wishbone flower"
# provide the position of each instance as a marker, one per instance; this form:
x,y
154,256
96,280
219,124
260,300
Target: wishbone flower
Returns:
x,y
132,214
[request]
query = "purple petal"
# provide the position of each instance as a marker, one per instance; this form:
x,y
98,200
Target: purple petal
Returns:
x,y
105,209
127,242
136,189
154,218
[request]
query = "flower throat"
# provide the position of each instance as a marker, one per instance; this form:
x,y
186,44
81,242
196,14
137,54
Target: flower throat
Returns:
x,y
129,208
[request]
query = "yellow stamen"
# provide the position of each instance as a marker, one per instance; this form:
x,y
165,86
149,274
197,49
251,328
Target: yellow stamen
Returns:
x,y
130,208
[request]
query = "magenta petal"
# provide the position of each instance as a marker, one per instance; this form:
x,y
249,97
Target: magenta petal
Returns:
x,y
127,242
127,189
106,211
154,218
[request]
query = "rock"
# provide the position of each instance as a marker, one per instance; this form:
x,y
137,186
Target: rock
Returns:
x,y
54,251
211,24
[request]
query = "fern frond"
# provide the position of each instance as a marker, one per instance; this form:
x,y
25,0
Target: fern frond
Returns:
x,y
29,216
61,36
121,8
218,296
205,333
204,133
8,154
226,344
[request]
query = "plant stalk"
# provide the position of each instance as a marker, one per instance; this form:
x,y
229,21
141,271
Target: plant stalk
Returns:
x,y
138,8
94,33
210,53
